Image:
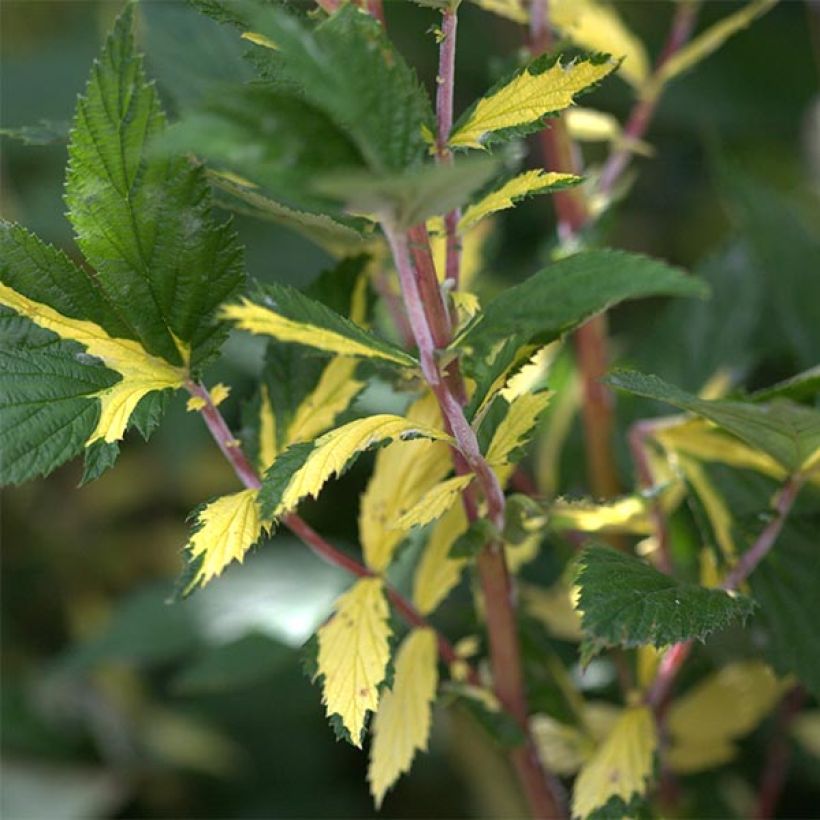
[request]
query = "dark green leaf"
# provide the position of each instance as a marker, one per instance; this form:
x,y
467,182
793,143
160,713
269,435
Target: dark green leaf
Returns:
x,y
567,293
626,602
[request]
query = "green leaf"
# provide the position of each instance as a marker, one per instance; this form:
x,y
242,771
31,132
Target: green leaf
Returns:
x,y
144,223
567,293
788,432
47,409
409,198
626,602
284,313
348,68
268,137
336,237
804,386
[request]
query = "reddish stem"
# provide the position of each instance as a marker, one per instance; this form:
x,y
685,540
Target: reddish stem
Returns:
x,y
438,316
444,123
779,755
637,124
245,472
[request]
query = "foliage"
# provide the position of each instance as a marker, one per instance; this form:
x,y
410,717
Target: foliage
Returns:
x,y
446,404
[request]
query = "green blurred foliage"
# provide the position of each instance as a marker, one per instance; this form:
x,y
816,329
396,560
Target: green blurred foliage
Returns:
x,y
116,704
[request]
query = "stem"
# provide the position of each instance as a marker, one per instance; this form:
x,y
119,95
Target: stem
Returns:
x,y
429,290
573,217
542,790
245,472
683,23
444,121
638,445
676,655
779,755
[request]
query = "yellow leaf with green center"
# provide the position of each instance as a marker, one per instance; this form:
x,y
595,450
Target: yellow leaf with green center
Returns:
x,y
141,372
532,182
435,502
621,766
629,514
226,529
528,98
353,654
401,476
402,724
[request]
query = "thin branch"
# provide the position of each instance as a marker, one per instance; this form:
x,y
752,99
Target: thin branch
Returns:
x,y
683,23
444,124
245,472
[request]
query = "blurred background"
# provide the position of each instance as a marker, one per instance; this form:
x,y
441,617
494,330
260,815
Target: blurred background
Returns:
x,y
116,704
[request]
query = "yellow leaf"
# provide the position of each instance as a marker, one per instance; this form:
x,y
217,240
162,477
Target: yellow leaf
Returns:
x,y
518,555
261,320
555,432
268,449
514,430
195,404
219,392
226,529
528,98
333,451
435,502
402,723
437,573
467,305
701,439
332,395
598,27
622,764
514,10
708,42
353,654
588,125
401,476
141,372
726,706
555,609
564,748
530,182
628,515
259,39
806,729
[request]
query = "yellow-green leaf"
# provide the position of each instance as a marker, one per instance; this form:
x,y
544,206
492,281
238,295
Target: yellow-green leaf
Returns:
x,y
514,430
401,476
531,182
726,706
708,42
554,607
262,320
527,98
225,530
806,730
353,654
629,515
267,431
259,40
598,27
141,372
437,573
435,502
622,764
402,723
303,469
